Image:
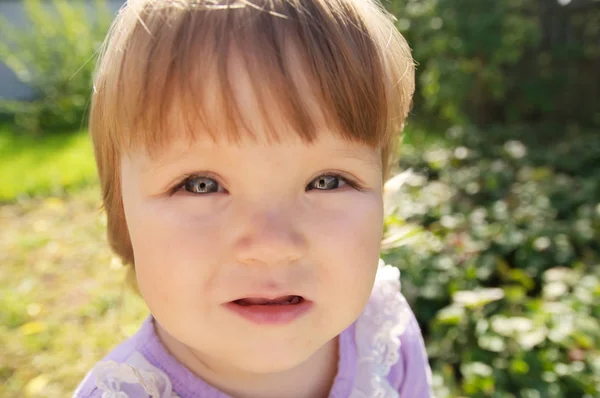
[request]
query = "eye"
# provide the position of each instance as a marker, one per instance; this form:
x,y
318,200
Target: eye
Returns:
x,y
201,185
326,182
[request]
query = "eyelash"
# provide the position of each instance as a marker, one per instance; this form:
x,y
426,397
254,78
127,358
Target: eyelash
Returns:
x,y
351,183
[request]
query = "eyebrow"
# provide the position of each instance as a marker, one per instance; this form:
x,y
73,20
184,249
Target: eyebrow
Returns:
x,y
368,160
348,153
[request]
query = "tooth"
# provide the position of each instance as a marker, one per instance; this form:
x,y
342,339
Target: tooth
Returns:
x,y
295,300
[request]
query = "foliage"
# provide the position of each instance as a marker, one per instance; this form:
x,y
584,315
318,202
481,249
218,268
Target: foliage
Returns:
x,y
54,57
487,62
480,61
498,243
42,165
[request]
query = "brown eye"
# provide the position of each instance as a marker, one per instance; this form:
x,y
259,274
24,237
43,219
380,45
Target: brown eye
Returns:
x,y
201,185
326,182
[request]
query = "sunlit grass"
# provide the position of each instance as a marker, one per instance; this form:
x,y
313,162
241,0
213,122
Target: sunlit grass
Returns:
x,y
63,305
49,164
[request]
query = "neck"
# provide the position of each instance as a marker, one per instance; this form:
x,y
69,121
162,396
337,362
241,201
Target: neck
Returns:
x,y
312,378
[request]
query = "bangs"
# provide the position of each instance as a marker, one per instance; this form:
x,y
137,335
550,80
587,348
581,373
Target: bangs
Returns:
x,y
217,67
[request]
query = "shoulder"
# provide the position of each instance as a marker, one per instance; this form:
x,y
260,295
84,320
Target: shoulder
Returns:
x,y
123,369
88,388
389,342
136,377
411,375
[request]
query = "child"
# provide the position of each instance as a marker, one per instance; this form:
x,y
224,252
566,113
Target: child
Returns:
x,y
242,148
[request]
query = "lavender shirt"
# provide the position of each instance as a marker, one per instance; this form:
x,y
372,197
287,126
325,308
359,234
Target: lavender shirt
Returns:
x,y
409,376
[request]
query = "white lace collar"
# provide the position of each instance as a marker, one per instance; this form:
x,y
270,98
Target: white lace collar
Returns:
x,y
378,332
140,375
377,336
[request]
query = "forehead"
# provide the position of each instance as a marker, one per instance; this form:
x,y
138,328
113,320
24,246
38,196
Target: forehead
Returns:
x,y
327,147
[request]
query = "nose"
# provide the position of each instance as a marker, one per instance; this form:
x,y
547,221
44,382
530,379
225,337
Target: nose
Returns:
x,y
270,236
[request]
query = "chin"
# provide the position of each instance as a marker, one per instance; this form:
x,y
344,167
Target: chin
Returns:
x,y
273,360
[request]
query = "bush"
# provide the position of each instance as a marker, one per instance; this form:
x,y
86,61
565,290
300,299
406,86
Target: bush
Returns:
x,y
498,243
54,57
512,61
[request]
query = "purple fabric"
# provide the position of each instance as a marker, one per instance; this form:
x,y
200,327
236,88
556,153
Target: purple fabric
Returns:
x,y
411,376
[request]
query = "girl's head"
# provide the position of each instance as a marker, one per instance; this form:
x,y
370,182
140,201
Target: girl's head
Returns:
x,y
242,148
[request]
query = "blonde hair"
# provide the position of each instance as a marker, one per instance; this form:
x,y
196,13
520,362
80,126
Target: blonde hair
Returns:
x,y
165,59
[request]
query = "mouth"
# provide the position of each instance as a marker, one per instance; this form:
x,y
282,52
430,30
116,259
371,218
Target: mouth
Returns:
x,y
283,300
270,311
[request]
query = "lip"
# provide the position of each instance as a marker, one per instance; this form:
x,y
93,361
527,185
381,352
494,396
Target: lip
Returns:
x,y
274,314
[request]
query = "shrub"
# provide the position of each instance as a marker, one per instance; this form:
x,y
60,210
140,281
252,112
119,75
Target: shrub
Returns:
x,y
490,62
54,57
498,243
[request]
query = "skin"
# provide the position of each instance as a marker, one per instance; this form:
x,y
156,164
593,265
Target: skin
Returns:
x,y
262,227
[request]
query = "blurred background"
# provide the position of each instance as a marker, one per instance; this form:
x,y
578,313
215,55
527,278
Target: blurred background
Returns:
x,y
493,218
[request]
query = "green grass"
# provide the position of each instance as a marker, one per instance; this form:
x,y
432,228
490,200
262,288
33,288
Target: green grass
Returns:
x,y
63,304
32,166
62,300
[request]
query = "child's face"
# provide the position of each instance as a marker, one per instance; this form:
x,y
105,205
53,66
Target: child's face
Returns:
x,y
259,221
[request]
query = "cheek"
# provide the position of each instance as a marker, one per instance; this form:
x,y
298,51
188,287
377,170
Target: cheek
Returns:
x,y
354,224
166,228
172,250
349,242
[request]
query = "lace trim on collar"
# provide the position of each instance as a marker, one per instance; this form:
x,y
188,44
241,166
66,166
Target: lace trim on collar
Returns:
x,y
378,332
141,378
